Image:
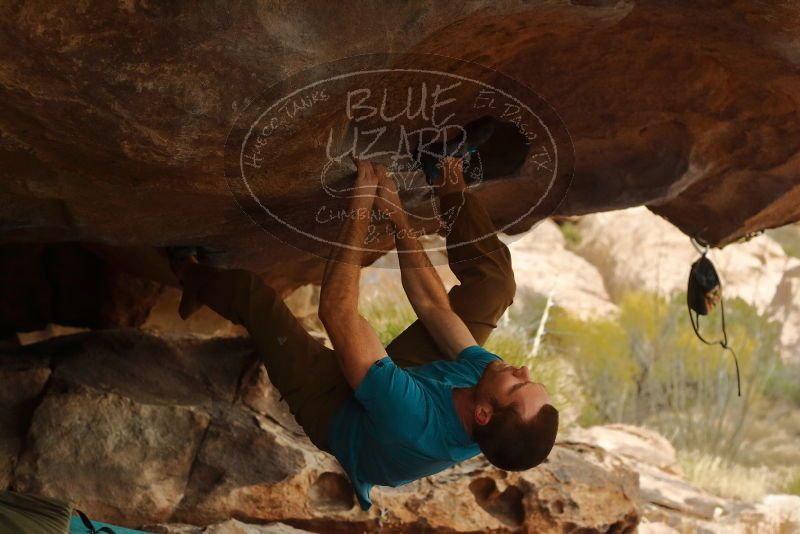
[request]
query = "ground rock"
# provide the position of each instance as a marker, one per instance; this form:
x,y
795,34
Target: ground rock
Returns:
x,y
19,392
670,504
780,511
115,457
542,264
181,434
653,457
635,443
231,526
655,527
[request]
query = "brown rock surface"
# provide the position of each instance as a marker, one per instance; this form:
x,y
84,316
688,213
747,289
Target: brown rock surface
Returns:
x,y
637,444
21,387
122,458
113,117
67,284
653,457
232,526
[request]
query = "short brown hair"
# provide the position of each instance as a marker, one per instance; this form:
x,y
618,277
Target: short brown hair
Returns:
x,y
510,443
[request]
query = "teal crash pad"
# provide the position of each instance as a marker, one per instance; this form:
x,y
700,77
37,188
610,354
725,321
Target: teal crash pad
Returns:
x,y
76,526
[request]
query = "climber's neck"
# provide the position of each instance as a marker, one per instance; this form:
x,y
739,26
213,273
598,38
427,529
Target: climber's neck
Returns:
x,y
464,401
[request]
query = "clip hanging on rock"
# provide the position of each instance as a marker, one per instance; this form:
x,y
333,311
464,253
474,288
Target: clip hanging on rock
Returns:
x,y
704,292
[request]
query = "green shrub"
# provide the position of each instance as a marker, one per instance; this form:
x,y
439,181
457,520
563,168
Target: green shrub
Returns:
x,y
784,384
599,353
793,486
510,343
526,312
388,316
648,368
788,237
730,480
571,233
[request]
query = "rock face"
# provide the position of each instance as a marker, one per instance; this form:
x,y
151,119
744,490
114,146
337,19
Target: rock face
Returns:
x,y
113,117
542,264
19,395
785,307
176,430
67,284
661,485
670,505
113,122
635,250
232,526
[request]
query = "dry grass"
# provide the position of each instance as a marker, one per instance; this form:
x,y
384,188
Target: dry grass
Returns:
x,y
733,481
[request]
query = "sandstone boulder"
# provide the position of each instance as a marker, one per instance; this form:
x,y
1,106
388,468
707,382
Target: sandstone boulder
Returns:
x,y
231,526
543,265
637,444
21,387
670,504
785,307
636,250
121,459
779,511
653,457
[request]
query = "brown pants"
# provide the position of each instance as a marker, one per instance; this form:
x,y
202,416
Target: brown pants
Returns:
x,y
306,372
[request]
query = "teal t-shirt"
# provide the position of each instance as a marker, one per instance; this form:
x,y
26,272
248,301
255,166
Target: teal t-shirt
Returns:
x,y
400,425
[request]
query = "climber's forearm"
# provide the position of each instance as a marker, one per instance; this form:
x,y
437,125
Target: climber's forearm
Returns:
x,y
355,342
421,282
339,292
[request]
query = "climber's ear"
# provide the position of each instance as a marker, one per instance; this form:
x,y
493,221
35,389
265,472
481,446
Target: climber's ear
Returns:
x,y
483,413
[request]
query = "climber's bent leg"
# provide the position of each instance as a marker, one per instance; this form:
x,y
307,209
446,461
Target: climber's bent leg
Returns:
x,y
482,264
304,371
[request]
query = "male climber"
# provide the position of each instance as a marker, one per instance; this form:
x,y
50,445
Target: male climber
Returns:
x,y
430,399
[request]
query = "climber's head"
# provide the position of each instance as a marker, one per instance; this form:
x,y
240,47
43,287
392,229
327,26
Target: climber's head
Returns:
x,y
514,423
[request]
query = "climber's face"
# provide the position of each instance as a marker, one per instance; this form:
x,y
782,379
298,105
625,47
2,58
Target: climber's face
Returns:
x,y
507,384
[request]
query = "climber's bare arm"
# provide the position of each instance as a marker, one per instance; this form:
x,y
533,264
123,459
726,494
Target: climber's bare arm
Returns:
x,y
421,282
355,342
